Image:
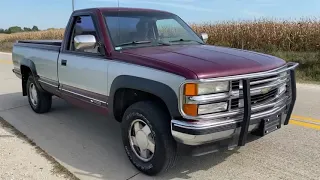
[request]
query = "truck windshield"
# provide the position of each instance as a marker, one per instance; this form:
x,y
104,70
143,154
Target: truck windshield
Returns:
x,y
140,29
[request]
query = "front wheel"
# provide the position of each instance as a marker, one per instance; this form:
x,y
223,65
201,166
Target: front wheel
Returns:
x,y
147,138
39,101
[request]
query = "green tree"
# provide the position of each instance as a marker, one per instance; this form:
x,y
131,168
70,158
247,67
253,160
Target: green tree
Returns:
x,y
1,30
35,28
14,29
27,29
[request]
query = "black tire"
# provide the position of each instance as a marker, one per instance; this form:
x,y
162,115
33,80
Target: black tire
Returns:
x,y
159,122
44,99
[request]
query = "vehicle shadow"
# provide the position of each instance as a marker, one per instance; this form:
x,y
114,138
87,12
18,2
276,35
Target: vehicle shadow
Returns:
x,y
186,166
86,143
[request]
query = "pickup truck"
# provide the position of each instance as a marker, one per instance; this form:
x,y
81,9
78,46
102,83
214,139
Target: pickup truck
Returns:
x,y
171,92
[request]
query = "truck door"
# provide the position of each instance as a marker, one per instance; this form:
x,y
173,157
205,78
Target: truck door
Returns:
x,y
82,73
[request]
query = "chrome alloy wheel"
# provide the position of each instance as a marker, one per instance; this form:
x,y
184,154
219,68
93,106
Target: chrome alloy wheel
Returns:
x,y
141,140
33,94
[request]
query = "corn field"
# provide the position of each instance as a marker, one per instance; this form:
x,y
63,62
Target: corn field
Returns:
x,y
265,35
7,40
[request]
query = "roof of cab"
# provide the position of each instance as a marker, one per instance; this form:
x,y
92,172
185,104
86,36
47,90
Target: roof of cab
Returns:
x,y
123,9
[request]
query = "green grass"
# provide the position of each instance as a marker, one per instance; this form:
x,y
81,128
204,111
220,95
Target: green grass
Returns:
x,y
308,70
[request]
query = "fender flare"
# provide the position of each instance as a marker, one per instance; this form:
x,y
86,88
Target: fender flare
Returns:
x,y
30,64
163,91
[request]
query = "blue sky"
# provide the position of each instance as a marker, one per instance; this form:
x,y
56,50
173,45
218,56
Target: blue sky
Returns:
x,y
55,13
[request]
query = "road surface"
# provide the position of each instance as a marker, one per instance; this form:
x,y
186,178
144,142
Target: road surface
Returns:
x,y
89,145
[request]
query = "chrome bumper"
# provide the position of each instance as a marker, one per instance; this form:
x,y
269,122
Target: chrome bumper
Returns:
x,y
198,133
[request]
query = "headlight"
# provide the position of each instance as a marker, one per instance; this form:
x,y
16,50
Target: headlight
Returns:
x,y
212,108
198,89
192,89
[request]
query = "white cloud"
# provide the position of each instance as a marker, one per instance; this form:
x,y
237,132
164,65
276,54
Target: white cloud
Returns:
x,y
184,4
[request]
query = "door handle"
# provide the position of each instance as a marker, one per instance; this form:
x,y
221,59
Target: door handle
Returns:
x,y
64,62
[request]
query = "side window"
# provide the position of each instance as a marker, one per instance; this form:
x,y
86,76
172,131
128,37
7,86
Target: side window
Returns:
x,y
84,25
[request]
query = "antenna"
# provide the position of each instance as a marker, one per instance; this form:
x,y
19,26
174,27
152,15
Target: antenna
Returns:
x,y
72,5
119,37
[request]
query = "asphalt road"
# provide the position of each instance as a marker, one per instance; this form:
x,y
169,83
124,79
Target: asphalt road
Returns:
x,y
90,146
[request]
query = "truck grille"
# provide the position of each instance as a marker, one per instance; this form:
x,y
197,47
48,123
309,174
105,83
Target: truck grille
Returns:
x,y
256,83
255,99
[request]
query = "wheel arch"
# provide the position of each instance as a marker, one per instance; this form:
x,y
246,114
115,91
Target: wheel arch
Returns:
x,y
156,89
27,66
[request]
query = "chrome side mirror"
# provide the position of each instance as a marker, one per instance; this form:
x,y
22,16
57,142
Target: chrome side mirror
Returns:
x,y
83,42
204,37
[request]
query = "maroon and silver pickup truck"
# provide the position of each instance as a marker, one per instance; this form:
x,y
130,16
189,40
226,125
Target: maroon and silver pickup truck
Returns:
x,y
151,72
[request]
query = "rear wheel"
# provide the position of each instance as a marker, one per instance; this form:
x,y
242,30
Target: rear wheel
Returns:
x,y
39,101
147,138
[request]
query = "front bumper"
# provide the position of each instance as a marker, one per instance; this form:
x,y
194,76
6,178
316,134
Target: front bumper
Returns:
x,y
200,132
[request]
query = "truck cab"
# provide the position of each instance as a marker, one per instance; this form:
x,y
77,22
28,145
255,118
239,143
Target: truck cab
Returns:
x,y
148,70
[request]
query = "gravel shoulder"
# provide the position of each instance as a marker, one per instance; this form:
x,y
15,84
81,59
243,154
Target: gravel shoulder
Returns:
x,y
20,158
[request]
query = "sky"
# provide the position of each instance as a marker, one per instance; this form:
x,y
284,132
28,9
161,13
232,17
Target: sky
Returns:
x,y
55,13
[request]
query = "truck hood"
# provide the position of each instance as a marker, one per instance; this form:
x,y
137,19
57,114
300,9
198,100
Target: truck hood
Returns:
x,y
209,61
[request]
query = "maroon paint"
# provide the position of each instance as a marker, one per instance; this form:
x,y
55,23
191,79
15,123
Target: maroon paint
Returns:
x,y
153,63
203,60
83,104
103,28
114,9
85,93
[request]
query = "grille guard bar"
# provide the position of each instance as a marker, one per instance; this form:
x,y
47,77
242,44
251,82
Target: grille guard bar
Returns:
x,y
247,104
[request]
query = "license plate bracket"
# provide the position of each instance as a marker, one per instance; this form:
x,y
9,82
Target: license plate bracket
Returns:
x,y
270,124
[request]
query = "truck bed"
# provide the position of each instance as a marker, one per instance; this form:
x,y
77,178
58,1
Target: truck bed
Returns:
x,y
41,44
42,53
44,42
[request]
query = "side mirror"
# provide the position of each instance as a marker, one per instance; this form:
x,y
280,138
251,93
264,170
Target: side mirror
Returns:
x,y
204,37
83,42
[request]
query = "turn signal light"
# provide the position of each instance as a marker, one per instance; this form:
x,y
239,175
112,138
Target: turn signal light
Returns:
x,y
190,109
190,89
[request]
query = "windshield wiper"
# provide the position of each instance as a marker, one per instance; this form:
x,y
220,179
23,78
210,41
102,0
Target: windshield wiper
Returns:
x,y
164,43
141,42
134,43
185,40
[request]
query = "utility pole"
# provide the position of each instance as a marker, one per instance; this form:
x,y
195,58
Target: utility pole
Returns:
x,y
72,5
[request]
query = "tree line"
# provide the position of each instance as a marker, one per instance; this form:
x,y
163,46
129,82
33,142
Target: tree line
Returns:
x,y
15,29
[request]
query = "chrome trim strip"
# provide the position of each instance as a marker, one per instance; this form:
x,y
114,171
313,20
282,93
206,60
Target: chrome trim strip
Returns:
x,y
202,99
83,96
240,111
257,90
270,85
47,83
202,125
206,98
264,81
